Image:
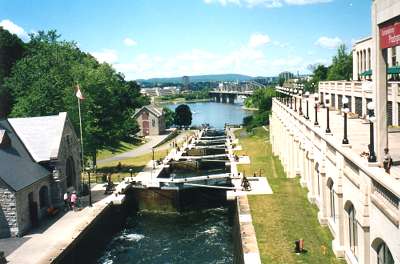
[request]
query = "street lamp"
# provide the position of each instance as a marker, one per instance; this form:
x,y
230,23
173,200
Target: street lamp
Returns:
x,y
300,106
345,102
291,98
327,104
307,95
295,99
90,189
316,109
131,171
372,119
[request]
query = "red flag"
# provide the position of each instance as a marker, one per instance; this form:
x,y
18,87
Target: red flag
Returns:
x,y
79,93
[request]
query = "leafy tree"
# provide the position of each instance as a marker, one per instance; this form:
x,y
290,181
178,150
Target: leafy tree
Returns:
x,y
11,49
44,81
169,117
342,65
183,115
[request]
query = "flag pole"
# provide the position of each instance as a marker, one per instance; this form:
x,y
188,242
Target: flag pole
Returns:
x,y
80,126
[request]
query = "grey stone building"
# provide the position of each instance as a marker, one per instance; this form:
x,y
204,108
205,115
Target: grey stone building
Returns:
x,y
39,161
151,120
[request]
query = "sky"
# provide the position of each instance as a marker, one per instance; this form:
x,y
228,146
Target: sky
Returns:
x,y
170,38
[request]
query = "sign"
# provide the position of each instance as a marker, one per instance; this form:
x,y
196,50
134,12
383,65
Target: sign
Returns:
x,y
390,36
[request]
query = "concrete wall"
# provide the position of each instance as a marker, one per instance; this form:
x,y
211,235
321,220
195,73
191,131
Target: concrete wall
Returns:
x,y
319,162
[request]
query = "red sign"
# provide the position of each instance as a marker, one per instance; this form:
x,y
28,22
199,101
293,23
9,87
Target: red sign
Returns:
x,y
390,36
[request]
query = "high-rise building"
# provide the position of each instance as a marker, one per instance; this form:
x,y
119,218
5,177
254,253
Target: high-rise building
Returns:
x,y
185,83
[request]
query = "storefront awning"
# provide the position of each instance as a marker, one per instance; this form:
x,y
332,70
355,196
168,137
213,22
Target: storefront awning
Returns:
x,y
367,73
393,70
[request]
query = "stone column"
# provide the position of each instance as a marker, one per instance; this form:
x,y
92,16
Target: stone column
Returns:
x,y
364,242
338,242
379,90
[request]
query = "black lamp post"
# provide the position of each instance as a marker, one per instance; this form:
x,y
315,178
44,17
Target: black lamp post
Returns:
x,y
300,106
372,118
295,99
345,102
316,109
291,98
307,95
327,104
154,165
90,189
131,171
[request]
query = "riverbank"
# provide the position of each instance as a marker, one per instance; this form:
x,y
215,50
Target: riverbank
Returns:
x,y
285,216
249,108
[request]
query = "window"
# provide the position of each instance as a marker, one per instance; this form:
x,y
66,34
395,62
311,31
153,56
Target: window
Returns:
x,y
353,240
332,199
384,255
153,122
44,197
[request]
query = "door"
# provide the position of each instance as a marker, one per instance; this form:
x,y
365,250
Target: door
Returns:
x,y
33,210
145,127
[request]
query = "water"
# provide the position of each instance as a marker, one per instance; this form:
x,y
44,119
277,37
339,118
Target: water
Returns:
x,y
215,114
194,237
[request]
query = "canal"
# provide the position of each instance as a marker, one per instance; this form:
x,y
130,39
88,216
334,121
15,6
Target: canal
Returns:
x,y
197,236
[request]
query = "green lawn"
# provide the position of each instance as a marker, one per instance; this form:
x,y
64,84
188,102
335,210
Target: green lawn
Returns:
x,y
122,147
281,218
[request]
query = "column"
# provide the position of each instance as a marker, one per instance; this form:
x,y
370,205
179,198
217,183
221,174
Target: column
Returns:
x,y
395,105
379,90
338,242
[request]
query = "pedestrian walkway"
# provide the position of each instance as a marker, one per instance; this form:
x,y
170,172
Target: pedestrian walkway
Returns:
x,y
47,242
358,133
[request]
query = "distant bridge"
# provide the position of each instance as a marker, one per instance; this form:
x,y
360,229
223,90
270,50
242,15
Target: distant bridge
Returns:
x,y
228,96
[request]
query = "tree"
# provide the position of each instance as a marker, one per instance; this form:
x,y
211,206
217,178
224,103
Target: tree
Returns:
x,y
43,83
183,115
342,65
169,117
11,50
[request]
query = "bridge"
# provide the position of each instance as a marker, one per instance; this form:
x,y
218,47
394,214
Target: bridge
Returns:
x,y
228,96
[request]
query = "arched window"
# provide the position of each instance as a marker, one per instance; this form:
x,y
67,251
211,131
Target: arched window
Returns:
x,y
70,172
384,255
44,197
332,199
352,228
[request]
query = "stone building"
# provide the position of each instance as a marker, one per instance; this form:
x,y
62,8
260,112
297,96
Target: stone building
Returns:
x,y
151,120
39,161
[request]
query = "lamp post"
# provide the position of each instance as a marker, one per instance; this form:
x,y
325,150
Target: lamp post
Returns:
x,y
295,99
316,109
327,104
131,171
345,102
307,95
90,189
300,106
371,118
291,98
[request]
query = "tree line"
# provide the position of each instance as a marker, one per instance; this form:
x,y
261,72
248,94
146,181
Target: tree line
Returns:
x,y
40,77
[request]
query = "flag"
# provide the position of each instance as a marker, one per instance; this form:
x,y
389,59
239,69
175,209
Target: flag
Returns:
x,y
79,93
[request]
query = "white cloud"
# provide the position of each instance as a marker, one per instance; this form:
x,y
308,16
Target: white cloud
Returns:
x,y
130,42
329,43
257,40
266,3
14,29
106,55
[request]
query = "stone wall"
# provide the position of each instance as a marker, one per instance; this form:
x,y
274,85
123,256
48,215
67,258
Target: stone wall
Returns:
x,y
22,202
8,214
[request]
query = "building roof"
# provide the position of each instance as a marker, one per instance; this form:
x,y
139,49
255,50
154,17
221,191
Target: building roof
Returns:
x,y
18,169
40,135
157,111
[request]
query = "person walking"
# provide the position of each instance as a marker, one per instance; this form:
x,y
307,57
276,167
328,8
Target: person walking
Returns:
x,y
67,205
74,200
387,161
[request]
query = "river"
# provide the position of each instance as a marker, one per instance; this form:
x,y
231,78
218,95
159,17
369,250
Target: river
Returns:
x,y
215,114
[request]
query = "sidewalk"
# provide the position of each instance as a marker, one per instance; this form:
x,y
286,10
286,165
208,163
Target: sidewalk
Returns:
x,y
42,244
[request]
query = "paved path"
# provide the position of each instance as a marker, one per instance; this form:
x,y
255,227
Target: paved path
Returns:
x,y
51,238
358,133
